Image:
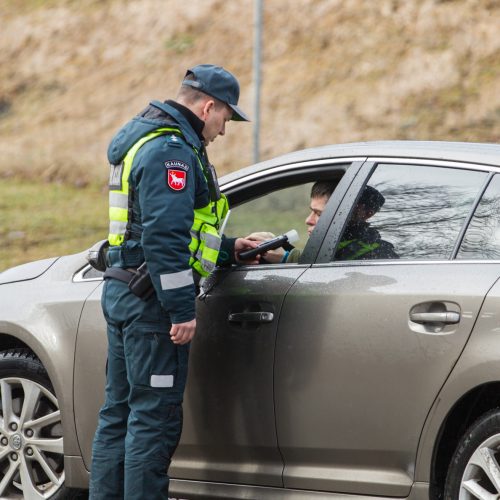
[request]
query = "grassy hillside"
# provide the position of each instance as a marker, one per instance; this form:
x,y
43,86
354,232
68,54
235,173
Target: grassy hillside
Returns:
x,y
46,219
71,72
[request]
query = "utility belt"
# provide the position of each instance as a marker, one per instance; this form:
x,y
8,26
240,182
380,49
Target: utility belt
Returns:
x,y
138,280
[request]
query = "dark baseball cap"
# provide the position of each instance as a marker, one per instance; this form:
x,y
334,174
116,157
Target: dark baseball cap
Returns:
x,y
372,198
219,83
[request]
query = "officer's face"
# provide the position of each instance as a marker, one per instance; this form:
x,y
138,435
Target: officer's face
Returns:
x,y
317,206
215,117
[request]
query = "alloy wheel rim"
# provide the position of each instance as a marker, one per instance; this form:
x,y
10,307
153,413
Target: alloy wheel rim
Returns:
x,y
31,442
481,478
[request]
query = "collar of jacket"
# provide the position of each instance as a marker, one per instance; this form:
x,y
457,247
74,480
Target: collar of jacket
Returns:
x,y
197,124
186,128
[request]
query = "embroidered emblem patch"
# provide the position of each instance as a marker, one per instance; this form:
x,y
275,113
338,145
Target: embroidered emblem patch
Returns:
x,y
176,179
177,164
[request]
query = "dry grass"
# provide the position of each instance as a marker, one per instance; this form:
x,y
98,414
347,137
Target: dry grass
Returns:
x,y
42,220
72,72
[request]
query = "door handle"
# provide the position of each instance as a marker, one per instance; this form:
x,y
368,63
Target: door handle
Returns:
x,y
251,317
447,317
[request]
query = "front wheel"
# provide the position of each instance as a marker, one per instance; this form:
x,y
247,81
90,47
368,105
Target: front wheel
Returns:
x,y
31,438
474,472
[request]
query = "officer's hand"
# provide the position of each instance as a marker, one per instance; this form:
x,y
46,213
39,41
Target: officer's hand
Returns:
x,y
182,333
242,244
260,236
271,256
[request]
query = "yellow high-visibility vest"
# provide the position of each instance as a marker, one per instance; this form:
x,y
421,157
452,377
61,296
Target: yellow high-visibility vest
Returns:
x,y
205,238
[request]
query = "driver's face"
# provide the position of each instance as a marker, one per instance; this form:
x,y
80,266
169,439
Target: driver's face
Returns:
x,y
317,206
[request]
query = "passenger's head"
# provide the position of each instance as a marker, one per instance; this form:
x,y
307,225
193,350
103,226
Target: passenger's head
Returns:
x,y
370,202
212,93
320,194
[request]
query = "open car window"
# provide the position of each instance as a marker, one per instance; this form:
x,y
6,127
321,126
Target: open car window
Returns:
x,y
276,212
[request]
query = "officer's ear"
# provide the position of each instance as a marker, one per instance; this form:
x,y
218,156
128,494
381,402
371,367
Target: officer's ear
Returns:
x,y
207,108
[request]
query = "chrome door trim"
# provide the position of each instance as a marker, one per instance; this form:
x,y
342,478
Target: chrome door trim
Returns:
x,y
399,262
78,277
434,163
291,167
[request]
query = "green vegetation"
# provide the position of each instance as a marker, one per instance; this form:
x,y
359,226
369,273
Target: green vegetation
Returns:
x,y
180,43
45,220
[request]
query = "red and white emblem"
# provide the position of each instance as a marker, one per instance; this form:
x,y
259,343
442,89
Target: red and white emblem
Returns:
x,y
176,179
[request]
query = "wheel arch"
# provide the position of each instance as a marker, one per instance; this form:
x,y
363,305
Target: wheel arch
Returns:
x,y
10,342
17,337
24,339
466,410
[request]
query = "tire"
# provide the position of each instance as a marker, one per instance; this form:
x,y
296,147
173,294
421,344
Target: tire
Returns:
x,y
31,439
474,471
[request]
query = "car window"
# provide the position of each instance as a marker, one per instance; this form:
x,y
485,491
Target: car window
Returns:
x,y
482,238
409,212
276,212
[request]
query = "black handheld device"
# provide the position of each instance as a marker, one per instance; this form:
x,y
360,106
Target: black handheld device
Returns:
x,y
265,246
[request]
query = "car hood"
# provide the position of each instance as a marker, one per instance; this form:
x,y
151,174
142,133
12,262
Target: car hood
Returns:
x,y
25,272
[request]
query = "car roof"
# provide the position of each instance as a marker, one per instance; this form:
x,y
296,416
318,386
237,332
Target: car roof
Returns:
x,y
467,152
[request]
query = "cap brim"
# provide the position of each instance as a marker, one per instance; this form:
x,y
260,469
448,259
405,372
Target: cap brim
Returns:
x,y
238,114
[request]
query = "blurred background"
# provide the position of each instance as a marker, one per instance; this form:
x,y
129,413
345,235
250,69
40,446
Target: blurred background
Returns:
x,y
73,71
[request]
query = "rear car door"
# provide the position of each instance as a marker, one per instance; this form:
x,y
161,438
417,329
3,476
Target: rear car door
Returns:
x,y
229,430
367,338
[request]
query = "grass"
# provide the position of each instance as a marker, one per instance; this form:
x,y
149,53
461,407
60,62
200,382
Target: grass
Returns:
x,y
45,220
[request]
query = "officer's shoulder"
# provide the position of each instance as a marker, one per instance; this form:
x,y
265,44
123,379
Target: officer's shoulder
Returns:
x,y
175,141
169,144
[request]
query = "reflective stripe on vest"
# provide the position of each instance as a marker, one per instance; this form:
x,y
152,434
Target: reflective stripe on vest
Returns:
x,y
205,239
363,248
118,198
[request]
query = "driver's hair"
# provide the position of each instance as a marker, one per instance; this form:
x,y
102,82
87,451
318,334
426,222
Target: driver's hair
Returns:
x,y
322,188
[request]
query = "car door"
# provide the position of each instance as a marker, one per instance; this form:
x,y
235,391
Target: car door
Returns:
x,y
365,341
229,430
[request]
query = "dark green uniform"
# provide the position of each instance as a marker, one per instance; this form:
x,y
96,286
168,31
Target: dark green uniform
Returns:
x,y
140,422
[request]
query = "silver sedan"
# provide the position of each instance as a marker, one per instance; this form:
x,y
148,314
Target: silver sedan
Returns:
x,y
365,374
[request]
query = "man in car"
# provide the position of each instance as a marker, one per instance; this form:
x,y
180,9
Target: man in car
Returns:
x,y
165,211
359,242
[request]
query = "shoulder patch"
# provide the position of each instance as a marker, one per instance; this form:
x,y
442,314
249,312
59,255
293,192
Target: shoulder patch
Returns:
x,y
177,164
176,179
173,140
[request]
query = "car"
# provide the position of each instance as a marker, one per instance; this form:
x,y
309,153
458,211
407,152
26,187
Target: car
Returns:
x,y
328,378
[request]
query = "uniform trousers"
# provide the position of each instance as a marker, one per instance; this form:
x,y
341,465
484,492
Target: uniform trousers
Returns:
x,y
140,421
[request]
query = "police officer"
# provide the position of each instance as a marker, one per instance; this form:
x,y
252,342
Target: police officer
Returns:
x,y
165,211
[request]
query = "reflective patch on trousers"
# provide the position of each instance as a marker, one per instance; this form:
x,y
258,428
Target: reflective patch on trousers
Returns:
x,y
151,356
162,380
